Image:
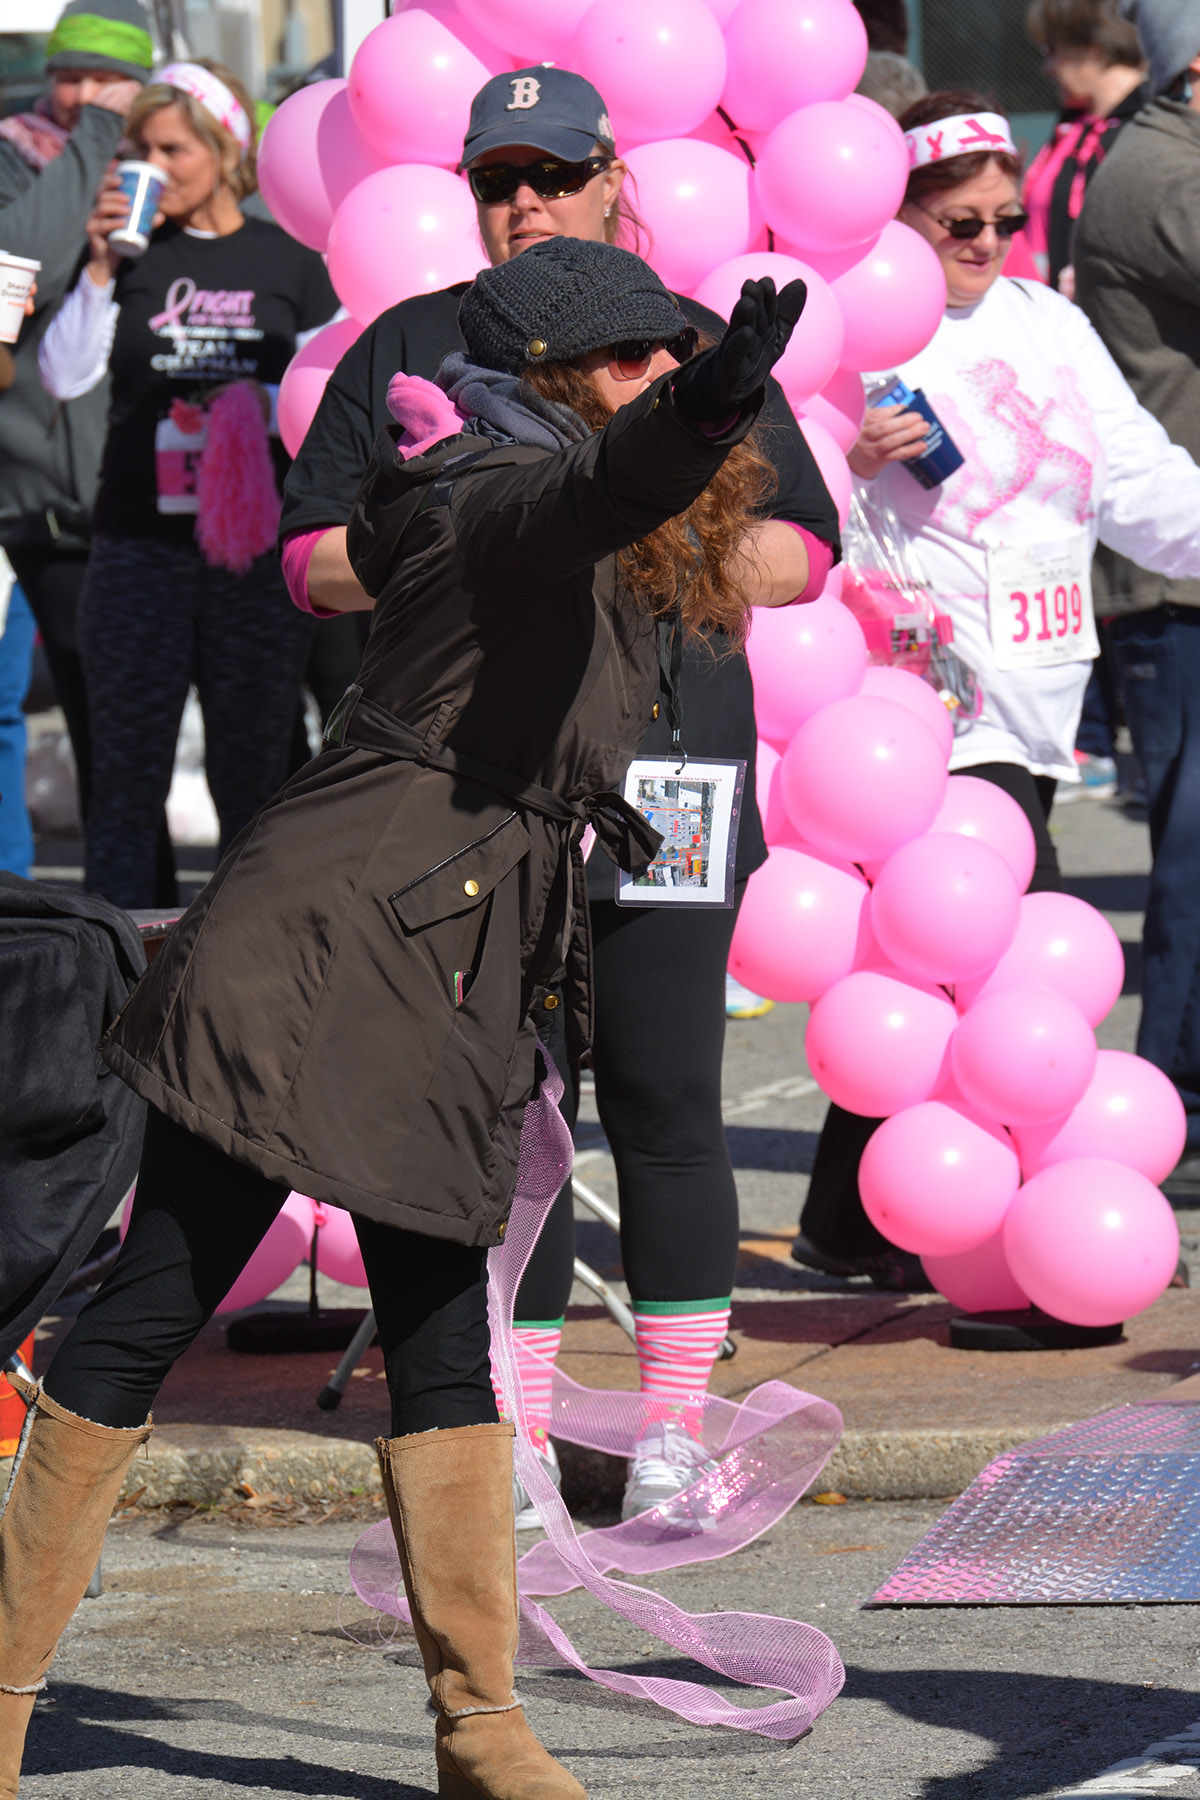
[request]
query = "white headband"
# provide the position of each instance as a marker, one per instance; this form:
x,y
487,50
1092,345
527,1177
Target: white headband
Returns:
x,y
213,96
962,135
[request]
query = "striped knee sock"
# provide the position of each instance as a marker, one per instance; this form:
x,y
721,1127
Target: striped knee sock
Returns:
x,y
677,1345
535,1345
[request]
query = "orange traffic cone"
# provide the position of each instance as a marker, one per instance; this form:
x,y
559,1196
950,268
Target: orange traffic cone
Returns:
x,y
12,1407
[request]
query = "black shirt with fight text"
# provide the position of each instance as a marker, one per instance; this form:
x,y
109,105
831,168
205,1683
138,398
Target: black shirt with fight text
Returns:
x,y
197,313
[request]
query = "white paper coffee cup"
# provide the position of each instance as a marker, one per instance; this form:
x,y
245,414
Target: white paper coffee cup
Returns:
x,y
17,276
143,184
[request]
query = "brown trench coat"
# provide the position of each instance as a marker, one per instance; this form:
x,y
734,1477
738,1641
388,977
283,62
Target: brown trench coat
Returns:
x,y
347,1006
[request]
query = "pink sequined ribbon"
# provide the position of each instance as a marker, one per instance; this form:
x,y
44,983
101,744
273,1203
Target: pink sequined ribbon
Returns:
x,y
769,1449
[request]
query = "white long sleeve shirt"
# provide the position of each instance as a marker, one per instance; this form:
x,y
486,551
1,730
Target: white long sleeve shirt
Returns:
x,y
1057,453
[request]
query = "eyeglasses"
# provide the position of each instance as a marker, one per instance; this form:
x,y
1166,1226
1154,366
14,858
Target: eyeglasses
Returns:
x,y
552,179
967,229
630,360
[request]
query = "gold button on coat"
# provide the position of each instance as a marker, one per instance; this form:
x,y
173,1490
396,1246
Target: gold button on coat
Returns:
x,y
654,714
471,888
537,346
550,1002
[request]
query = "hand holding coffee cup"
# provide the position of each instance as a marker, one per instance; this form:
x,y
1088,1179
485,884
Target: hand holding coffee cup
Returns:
x,y
112,227
18,284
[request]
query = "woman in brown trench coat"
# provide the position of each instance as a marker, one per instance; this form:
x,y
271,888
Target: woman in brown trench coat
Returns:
x,y
346,1007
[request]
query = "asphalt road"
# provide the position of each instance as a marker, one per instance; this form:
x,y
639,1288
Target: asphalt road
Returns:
x,y
215,1664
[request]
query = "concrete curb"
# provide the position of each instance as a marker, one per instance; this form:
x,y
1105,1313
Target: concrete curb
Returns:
x,y
207,1464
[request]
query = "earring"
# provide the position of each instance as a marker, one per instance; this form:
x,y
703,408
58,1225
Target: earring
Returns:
x,y
608,212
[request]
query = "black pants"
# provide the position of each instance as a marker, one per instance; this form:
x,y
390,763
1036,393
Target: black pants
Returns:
x,y
833,1217
659,1041
197,1219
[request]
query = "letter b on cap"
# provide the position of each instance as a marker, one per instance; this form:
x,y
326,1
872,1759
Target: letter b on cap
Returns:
x,y
525,90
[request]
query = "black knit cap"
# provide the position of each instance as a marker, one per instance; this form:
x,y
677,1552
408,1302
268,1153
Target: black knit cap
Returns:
x,y
559,299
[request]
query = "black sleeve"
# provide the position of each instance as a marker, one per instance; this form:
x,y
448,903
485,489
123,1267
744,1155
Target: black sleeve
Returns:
x,y
323,482
801,496
316,301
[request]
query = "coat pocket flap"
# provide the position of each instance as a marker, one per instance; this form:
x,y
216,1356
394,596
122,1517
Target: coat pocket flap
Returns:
x,y
464,879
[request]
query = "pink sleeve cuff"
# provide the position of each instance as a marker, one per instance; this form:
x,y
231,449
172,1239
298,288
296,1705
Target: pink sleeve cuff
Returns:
x,y
298,547
820,561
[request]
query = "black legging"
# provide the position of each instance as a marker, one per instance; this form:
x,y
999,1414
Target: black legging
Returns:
x,y
833,1217
197,1219
659,1041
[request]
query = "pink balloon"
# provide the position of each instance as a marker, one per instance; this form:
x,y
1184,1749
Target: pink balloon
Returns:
x,y
907,689
830,176
338,1254
401,232
978,1280
1130,1113
1023,1055
788,53
1064,944
797,931
840,407
980,809
495,60
1091,1242
812,356
699,204
415,55
305,377
862,776
722,10
877,1045
286,1244
935,1182
660,64
886,120
801,658
310,157
777,827
944,907
892,300
835,470
531,30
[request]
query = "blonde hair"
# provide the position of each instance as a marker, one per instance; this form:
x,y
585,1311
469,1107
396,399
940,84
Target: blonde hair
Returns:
x,y
236,167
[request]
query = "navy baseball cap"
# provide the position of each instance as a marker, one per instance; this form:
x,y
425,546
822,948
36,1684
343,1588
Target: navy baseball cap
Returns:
x,y
547,108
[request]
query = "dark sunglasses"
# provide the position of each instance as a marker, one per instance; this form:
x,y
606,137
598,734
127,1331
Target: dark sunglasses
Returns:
x,y
966,229
630,360
552,179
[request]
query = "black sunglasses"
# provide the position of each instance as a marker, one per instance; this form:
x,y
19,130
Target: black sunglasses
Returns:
x,y
552,179
630,360
966,229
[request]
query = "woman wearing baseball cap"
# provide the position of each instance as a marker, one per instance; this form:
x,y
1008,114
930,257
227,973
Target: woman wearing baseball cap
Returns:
x,y
349,1006
540,159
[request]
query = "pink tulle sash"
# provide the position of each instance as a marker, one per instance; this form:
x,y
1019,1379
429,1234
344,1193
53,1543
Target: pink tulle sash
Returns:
x,y
770,1448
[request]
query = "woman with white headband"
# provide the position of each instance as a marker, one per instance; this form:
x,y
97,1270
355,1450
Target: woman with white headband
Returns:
x,y
1057,453
183,584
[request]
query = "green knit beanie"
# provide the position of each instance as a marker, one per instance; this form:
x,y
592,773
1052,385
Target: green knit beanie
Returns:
x,y
112,35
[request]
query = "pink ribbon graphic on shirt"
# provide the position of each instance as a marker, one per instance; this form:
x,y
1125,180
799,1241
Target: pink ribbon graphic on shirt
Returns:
x,y
180,295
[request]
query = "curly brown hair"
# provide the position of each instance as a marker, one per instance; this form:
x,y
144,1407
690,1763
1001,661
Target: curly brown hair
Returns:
x,y
699,553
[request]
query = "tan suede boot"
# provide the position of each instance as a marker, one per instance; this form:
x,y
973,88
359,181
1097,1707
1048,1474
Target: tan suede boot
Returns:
x,y
449,1494
66,1478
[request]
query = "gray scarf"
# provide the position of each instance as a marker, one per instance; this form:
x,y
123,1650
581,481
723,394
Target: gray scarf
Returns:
x,y
499,405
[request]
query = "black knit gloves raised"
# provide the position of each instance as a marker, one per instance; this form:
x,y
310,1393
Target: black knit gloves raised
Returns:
x,y
712,389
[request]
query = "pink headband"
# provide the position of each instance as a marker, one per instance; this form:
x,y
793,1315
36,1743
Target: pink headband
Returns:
x,y
213,96
961,136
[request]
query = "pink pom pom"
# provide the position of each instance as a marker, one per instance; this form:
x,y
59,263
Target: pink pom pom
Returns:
x,y
235,484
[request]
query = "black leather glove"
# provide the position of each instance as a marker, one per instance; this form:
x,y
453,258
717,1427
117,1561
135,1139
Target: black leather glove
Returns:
x,y
714,387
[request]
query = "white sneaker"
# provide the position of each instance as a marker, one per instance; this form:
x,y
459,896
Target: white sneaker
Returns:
x,y
526,1515
666,1462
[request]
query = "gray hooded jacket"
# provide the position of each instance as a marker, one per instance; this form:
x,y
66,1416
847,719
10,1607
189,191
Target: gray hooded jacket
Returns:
x,y
1137,277
50,449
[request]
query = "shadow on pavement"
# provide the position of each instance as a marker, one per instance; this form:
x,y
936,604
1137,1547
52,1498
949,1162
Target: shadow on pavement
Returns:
x,y
1079,1725
78,1730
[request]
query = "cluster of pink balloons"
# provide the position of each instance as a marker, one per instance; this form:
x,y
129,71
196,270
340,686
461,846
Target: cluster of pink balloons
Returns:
x,y
1018,1160
748,149
287,1244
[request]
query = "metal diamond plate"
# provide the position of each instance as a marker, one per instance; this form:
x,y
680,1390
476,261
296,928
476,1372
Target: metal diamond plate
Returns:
x,y
1107,1510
